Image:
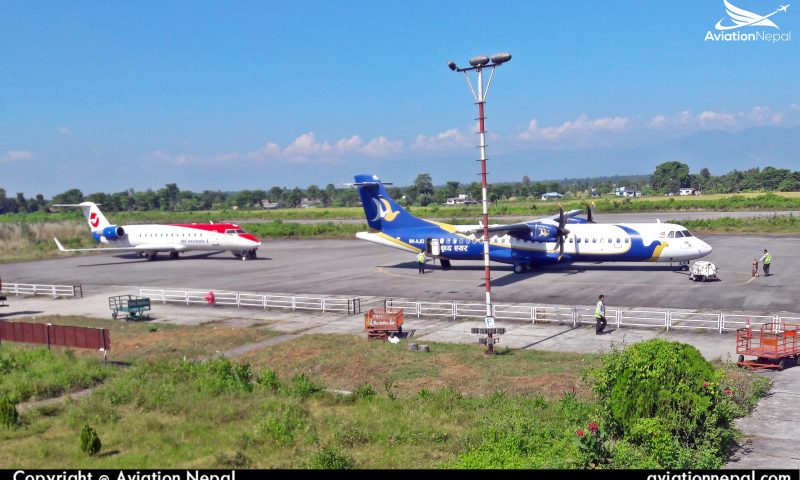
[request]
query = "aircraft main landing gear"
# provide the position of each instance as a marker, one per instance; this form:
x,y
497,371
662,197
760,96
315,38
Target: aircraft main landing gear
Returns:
x,y
173,254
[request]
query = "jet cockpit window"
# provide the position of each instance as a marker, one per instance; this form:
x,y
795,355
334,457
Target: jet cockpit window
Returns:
x,y
671,235
678,234
687,233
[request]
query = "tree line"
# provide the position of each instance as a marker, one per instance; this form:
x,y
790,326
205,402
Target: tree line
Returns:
x,y
668,177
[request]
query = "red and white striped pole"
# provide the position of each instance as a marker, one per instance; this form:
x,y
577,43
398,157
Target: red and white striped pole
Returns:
x,y
478,64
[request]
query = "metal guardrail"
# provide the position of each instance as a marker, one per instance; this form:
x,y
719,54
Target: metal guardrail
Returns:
x,y
349,306
571,315
55,291
627,317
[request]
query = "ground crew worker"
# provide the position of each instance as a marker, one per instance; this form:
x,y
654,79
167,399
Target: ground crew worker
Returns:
x,y
421,262
600,315
767,259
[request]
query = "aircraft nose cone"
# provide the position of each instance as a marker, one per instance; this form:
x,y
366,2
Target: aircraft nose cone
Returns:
x,y
705,248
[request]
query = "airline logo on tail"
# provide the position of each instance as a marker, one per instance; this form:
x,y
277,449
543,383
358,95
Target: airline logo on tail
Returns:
x,y
94,220
384,211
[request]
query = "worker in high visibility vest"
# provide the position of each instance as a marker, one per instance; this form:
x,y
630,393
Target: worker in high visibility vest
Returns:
x,y
767,259
600,315
421,262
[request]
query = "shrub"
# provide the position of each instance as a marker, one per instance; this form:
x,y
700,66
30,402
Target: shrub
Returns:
x,y
331,459
303,387
90,442
593,446
668,401
237,460
268,379
364,391
8,412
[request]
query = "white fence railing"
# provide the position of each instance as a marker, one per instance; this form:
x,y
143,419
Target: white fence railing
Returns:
x,y
54,291
627,317
569,315
237,299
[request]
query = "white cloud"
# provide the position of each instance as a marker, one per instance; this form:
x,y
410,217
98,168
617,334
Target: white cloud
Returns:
x,y
447,140
17,156
307,149
162,156
709,119
64,131
583,129
794,107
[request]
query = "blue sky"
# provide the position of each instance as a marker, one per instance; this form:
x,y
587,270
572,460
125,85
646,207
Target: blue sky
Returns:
x,y
105,96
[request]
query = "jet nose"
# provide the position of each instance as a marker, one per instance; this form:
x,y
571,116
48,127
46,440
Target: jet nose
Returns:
x,y
250,239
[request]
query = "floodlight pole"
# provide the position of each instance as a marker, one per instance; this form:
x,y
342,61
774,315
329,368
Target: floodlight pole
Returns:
x,y
478,64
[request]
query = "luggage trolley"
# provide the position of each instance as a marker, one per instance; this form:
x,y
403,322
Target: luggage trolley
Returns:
x,y
382,322
775,345
131,305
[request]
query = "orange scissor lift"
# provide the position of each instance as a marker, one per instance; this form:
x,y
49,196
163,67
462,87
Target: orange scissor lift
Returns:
x,y
776,345
381,322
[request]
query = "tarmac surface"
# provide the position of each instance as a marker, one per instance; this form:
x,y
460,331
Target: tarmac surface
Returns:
x,y
356,268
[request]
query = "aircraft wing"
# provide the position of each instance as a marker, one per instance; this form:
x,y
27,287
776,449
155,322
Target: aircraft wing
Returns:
x,y
525,227
150,247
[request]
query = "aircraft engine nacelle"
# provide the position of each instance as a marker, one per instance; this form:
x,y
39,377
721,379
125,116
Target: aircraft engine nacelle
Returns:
x,y
113,232
541,232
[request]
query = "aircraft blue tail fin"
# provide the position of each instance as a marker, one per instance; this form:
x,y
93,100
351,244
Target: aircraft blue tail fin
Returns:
x,y
382,212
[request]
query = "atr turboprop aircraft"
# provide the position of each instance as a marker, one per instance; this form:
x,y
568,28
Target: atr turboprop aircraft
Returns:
x,y
543,241
150,240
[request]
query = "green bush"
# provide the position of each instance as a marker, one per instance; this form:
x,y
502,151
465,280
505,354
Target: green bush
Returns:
x,y
268,379
330,458
667,400
8,412
303,387
364,391
90,442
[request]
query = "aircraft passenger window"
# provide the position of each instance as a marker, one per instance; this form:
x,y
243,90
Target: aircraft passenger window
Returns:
x,y
671,235
594,240
618,240
687,233
609,240
626,240
578,240
585,240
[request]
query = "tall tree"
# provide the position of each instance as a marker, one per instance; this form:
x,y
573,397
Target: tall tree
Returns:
x,y
670,176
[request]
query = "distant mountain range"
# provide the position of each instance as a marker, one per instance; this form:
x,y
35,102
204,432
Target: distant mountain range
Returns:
x,y
719,151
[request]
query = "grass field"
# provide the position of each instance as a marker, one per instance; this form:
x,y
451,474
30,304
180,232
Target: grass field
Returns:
x,y
453,407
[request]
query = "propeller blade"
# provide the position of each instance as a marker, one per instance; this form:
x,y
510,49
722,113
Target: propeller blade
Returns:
x,y
590,212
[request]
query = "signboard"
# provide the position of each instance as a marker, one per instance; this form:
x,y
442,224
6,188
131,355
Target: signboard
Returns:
x,y
489,322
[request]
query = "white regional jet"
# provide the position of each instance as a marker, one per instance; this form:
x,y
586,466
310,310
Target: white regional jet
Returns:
x,y
149,240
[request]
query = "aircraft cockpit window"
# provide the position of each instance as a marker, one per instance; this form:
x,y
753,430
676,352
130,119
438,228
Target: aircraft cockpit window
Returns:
x,y
678,234
230,232
671,235
687,233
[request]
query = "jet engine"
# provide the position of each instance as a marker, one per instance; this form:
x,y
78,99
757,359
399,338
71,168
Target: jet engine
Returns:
x,y
113,232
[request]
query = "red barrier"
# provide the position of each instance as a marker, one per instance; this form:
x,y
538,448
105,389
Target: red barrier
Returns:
x,y
59,335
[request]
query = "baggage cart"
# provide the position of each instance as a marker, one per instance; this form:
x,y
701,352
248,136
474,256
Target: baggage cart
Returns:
x,y
131,305
775,345
382,322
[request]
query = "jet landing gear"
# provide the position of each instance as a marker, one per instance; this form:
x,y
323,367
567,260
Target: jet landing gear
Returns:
x,y
173,254
683,265
151,256
245,255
